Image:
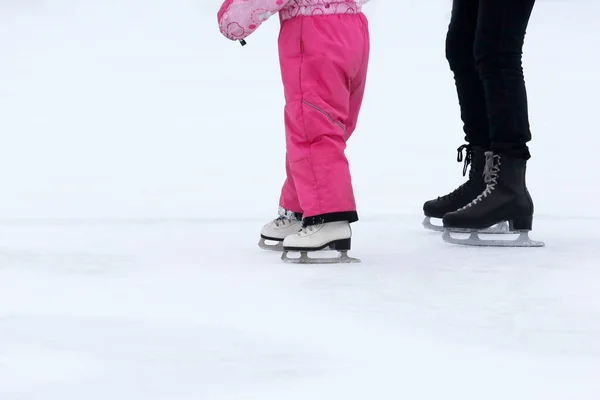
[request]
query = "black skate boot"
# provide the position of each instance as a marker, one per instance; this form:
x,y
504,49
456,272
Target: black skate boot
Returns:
x,y
505,199
464,194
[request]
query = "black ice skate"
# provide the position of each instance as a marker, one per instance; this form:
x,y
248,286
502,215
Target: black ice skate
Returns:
x,y
505,199
464,194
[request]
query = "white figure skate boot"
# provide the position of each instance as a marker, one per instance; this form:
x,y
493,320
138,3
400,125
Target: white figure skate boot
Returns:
x,y
275,231
336,236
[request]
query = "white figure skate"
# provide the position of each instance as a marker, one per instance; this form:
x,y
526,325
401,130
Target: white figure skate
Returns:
x,y
334,236
273,233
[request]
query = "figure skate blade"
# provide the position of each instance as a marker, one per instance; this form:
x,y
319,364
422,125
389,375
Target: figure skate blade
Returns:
x,y
481,239
427,224
342,258
500,228
277,245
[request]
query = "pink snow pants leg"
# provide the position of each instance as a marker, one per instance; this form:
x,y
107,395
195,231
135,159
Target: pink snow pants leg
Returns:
x,y
289,197
324,61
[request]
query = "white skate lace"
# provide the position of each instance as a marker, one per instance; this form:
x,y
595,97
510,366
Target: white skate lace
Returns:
x,y
282,221
306,230
285,217
490,177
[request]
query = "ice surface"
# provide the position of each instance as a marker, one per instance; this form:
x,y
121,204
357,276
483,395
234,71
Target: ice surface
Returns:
x,y
141,154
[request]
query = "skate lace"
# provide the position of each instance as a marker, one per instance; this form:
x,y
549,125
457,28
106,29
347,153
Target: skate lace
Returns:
x,y
285,217
306,230
490,177
467,161
282,221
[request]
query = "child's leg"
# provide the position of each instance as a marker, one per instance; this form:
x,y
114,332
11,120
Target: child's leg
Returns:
x,y
320,57
357,86
289,197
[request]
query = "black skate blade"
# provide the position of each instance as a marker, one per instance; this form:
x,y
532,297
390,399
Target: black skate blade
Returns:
x,y
500,228
482,239
342,258
276,246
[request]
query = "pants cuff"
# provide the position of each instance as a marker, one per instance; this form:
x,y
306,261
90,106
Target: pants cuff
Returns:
x,y
350,216
512,151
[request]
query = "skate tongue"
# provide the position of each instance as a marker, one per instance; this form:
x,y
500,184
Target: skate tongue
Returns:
x,y
491,168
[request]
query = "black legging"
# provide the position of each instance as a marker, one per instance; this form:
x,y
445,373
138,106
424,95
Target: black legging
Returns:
x,y
484,47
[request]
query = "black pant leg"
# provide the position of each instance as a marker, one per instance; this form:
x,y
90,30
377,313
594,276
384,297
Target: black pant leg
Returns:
x,y
460,42
499,42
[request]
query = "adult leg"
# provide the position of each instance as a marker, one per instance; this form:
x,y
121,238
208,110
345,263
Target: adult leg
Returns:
x,y
460,42
498,52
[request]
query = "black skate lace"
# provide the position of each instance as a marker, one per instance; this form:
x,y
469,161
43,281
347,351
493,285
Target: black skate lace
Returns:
x,y
490,177
467,160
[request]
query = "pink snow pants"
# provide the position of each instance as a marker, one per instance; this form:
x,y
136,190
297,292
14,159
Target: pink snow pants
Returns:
x,y
324,61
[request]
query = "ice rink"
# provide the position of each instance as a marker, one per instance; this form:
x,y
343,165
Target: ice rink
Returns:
x,y
142,152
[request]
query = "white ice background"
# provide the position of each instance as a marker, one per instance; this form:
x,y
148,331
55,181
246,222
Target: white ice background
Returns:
x,y
141,152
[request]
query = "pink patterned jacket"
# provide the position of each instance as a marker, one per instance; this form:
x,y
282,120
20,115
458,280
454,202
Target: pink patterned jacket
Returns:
x,y
239,18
